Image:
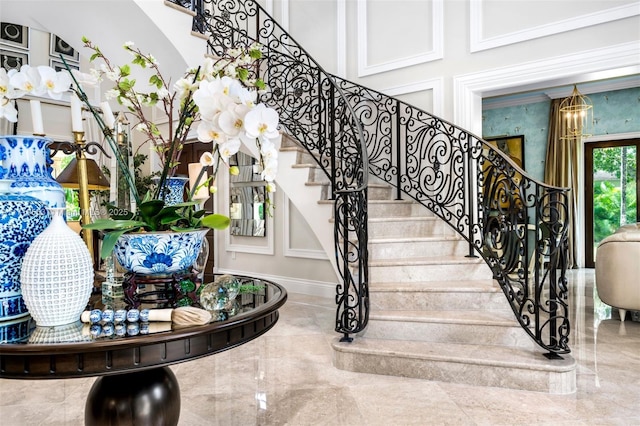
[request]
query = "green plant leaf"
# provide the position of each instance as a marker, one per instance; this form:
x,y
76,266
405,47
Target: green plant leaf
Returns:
x,y
111,224
109,242
150,208
216,221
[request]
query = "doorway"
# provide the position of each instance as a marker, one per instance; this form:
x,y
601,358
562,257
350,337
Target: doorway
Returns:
x,y
612,189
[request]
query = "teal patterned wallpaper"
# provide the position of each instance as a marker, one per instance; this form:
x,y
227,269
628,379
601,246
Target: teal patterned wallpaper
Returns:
x,y
614,112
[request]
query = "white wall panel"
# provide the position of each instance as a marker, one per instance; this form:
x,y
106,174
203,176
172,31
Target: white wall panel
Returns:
x,y
528,20
383,42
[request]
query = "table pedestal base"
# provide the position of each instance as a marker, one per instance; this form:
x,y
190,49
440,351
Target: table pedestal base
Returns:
x,y
150,397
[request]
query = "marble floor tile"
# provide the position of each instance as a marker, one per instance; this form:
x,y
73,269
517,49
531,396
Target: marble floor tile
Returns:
x,y
286,377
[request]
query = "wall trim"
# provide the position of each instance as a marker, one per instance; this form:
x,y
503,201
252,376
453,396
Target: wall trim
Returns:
x,y
289,251
292,285
437,34
478,43
613,61
341,38
435,85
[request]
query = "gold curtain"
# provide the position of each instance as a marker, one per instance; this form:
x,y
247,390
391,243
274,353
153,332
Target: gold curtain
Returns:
x,y
561,169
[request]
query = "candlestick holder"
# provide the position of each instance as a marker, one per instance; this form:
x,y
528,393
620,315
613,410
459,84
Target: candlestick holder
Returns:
x,y
83,174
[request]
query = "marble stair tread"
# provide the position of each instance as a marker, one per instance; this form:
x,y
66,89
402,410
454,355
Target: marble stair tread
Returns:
x,y
462,286
460,353
433,260
410,239
501,318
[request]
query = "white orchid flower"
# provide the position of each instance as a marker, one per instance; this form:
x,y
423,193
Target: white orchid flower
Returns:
x,y
5,88
8,110
207,159
229,148
26,81
271,187
231,120
208,132
261,122
270,169
210,99
55,83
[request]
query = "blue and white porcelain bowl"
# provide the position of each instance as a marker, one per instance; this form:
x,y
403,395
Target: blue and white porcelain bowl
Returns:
x,y
159,253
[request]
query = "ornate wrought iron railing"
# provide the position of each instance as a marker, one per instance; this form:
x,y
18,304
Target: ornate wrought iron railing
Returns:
x,y
516,224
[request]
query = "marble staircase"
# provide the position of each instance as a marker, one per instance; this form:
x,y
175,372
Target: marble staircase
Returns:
x,y
436,313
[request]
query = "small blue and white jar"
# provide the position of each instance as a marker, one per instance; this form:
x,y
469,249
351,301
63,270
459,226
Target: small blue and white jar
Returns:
x,y
22,219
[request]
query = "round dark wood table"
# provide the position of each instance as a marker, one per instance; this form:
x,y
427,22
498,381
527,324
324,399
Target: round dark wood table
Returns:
x,y
135,385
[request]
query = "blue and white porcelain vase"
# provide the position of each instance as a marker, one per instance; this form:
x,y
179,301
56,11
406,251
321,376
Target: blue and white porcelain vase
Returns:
x,y
159,253
22,219
26,161
173,190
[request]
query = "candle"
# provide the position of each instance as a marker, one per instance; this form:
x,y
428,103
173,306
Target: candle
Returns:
x,y
76,114
109,119
36,117
194,171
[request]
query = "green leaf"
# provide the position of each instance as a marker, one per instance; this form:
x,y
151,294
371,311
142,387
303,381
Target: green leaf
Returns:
x,y
150,208
243,74
110,224
125,70
109,242
154,80
216,221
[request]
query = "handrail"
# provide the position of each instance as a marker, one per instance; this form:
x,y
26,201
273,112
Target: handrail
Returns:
x,y
515,223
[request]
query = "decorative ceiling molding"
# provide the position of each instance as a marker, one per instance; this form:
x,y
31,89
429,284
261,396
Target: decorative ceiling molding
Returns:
x,y
437,51
436,86
598,64
478,43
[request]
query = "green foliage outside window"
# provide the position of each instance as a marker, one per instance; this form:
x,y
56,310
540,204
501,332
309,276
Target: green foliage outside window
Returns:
x,y
614,199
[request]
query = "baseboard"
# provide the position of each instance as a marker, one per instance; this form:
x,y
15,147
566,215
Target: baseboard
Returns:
x,y
292,285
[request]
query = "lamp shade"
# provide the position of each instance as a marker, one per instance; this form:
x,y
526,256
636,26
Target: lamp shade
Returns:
x,y
68,178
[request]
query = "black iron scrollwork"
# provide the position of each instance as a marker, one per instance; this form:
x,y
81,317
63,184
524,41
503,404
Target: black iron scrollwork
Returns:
x,y
516,224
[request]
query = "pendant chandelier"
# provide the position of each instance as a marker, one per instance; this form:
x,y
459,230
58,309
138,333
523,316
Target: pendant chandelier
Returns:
x,y
577,112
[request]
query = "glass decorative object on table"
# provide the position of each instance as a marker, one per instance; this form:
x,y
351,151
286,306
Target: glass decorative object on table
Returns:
x,y
121,199
219,297
201,262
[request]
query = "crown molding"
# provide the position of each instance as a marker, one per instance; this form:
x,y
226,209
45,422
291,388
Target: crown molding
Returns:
x,y
437,51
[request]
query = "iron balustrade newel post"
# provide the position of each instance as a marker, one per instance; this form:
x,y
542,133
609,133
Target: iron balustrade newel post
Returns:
x,y
472,206
332,141
398,152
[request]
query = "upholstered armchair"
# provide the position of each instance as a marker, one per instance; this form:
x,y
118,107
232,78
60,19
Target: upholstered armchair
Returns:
x,y
618,269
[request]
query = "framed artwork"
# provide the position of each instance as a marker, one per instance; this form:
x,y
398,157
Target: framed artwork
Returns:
x,y
58,65
513,146
14,35
60,47
10,59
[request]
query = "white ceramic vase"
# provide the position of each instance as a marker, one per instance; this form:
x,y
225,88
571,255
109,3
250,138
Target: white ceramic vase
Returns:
x,y
57,274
